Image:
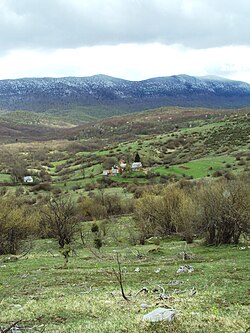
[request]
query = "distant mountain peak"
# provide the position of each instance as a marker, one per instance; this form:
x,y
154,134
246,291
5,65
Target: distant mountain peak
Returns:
x,y
107,92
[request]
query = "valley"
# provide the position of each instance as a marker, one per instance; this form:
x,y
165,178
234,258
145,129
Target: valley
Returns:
x,y
122,226
172,143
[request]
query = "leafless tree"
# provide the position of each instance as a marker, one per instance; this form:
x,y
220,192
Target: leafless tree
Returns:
x,y
60,218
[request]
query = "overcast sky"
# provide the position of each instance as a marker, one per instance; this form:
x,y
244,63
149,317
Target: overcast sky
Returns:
x,y
130,39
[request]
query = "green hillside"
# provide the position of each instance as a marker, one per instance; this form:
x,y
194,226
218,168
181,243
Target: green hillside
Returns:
x,y
81,251
32,118
208,147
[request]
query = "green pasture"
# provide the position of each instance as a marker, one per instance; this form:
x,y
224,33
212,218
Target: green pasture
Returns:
x,y
197,168
199,127
40,292
5,177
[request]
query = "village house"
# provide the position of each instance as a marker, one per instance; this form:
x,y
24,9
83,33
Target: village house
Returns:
x,y
136,166
123,164
28,179
112,172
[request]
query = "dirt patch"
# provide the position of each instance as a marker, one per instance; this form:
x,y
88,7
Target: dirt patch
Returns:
x,y
183,167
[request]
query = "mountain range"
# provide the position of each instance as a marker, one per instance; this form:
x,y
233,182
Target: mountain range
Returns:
x,y
105,95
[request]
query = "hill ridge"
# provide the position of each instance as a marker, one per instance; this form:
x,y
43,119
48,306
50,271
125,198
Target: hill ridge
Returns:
x,y
121,96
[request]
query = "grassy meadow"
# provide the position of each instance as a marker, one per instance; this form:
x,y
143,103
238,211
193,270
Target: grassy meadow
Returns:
x,y
45,295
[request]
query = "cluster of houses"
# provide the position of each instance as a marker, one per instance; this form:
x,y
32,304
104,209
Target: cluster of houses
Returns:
x,y
116,169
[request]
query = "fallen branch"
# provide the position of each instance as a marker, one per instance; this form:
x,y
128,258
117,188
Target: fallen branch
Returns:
x,y
141,290
9,328
162,294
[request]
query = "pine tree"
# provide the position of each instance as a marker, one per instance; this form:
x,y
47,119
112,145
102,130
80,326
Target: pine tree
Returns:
x,y
137,158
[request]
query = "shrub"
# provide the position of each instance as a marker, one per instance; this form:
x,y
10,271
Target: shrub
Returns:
x,y
98,242
218,173
41,187
91,210
156,214
56,191
17,222
225,211
242,162
94,228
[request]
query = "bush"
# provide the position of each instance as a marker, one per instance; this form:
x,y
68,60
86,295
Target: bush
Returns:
x,y
156,214
41,187
94,228
225,211
218,173
17,222
242,162
56,191
91,210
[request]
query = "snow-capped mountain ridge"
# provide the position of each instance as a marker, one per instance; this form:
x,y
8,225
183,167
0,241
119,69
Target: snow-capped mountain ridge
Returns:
x,y
41,94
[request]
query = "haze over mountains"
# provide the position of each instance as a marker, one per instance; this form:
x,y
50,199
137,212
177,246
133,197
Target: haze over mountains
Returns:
x,y
118,95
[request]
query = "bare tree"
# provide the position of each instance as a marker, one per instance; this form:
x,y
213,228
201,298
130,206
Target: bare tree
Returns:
x,y
60,219
18,169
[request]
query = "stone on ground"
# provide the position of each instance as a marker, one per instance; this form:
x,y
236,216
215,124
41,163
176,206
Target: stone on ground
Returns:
x,y
159,314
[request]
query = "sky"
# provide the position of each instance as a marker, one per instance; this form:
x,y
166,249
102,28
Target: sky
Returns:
x,y
129,39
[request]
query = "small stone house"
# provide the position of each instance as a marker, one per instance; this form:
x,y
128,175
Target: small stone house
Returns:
x,y
136,166
28,179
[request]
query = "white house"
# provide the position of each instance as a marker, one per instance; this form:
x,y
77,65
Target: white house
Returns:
x,y
28,179
114,171
136,166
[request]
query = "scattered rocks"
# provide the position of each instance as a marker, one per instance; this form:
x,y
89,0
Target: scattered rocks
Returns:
x,y
192,292
185,269
137,269
159,314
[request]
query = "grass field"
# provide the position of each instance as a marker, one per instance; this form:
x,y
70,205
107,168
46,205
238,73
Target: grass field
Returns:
x,y
197,168
85,296
4,177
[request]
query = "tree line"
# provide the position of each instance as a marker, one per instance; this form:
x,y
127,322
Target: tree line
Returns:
x,y
217,211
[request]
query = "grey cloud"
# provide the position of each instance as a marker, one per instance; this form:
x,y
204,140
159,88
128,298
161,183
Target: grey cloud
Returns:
x,y
53,24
